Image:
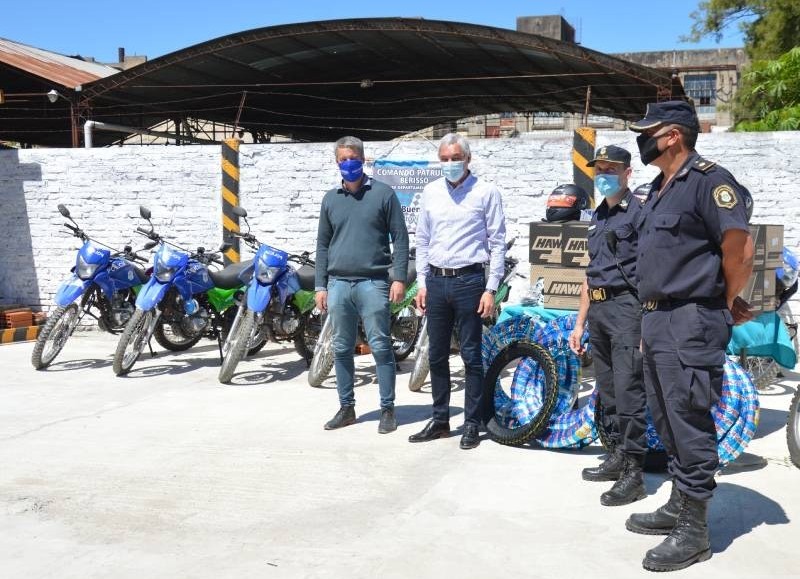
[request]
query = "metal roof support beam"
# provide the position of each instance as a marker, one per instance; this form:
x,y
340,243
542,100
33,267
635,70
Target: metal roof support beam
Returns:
x,y
89,126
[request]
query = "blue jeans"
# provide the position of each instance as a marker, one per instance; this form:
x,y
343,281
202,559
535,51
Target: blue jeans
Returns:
x,y
368,299
453,301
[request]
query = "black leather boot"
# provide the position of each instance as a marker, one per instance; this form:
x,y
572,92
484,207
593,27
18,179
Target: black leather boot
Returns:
x,y
629,487
344,417
659,522
609,470
688,542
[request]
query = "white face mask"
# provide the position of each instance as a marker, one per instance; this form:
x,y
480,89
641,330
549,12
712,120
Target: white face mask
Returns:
x,y
453,170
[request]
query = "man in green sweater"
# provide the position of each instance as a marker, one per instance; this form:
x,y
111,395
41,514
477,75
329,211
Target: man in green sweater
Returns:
x,y
357,221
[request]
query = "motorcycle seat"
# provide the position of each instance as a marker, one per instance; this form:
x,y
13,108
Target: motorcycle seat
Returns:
x,y
228,278
306,277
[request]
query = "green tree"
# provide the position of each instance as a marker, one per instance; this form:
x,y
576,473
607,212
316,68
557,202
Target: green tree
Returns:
x,y
771,27
769,95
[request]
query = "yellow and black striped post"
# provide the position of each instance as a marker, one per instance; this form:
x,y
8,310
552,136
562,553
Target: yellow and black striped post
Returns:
x,y
583,143
230,198
24,334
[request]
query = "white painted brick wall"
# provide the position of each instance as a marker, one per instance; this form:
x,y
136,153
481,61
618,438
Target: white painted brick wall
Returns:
x,y
282,186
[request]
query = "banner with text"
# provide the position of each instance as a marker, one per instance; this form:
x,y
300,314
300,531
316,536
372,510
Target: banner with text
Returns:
x,y
407,178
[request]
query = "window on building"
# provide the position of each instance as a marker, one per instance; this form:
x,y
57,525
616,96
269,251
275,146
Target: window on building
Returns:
x,y
702,88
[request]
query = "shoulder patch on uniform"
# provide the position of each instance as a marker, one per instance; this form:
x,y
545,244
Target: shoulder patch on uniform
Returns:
x,y
704,165
724,197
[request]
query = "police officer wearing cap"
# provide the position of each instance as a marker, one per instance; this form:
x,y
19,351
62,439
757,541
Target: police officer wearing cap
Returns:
x,y
695,256
610,302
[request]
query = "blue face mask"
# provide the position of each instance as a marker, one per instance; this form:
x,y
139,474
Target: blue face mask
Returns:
x,y
607,185
351,169
453,170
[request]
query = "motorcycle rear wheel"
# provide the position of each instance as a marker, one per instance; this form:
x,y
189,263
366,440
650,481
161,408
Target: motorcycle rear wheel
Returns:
x,y
54,335
322,361
171,337
237,345
132,341
404,332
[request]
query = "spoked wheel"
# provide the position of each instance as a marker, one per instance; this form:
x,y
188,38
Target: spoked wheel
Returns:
x,y
322,362
763,369
238,340
132,341
793,429
54,335
524,377
405,328
305,341
172,337
421,362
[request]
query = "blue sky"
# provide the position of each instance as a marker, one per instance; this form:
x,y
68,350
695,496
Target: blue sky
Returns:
x,y
156,27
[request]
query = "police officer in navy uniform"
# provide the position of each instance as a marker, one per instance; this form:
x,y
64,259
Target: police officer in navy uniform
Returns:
x,y
610,302
695,256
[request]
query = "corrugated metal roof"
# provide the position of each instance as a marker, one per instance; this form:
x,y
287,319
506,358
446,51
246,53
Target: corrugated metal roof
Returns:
x,y
66,71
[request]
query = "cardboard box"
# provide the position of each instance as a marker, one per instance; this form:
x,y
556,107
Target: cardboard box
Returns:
x,y
545,243
559,244
768,242
770,288
753,292
575,244
561,285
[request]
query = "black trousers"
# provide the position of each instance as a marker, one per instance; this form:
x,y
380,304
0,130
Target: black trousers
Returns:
x,y
684,351
453,301
615,335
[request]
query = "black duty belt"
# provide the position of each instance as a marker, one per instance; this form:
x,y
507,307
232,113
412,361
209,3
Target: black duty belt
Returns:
x,y
602,294
671,304
456,271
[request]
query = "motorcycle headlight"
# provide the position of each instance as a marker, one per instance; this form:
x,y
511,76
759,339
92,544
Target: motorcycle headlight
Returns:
x,y
265,273
164,274
85,270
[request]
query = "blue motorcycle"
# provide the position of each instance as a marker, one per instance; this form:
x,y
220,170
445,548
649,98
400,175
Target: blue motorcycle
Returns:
x,y
183,302
279,304
102,285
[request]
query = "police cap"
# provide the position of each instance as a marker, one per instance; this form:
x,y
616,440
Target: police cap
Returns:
x,y
668,113
611,154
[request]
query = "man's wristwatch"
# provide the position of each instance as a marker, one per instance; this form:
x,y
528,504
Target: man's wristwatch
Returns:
x,y
490,291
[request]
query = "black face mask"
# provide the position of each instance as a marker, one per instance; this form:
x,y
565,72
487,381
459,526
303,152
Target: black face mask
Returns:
x,y
648,148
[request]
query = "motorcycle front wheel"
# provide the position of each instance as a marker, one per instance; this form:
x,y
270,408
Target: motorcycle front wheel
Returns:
x,y
237,342
54,335
322,362
421,363
132,341
305,341
793,429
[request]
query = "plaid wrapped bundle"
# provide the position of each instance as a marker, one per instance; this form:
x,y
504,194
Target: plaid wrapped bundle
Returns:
x,y
735,415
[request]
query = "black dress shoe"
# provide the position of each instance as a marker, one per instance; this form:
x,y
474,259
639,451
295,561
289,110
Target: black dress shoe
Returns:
x,y
432,431
470,437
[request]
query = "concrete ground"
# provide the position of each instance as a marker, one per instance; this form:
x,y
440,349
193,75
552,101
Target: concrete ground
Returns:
x,y
168,473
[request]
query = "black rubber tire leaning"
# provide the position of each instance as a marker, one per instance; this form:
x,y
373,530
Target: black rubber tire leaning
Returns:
x,y
133,332
57,323
793,429
322,361
237,346
523,434
166,340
